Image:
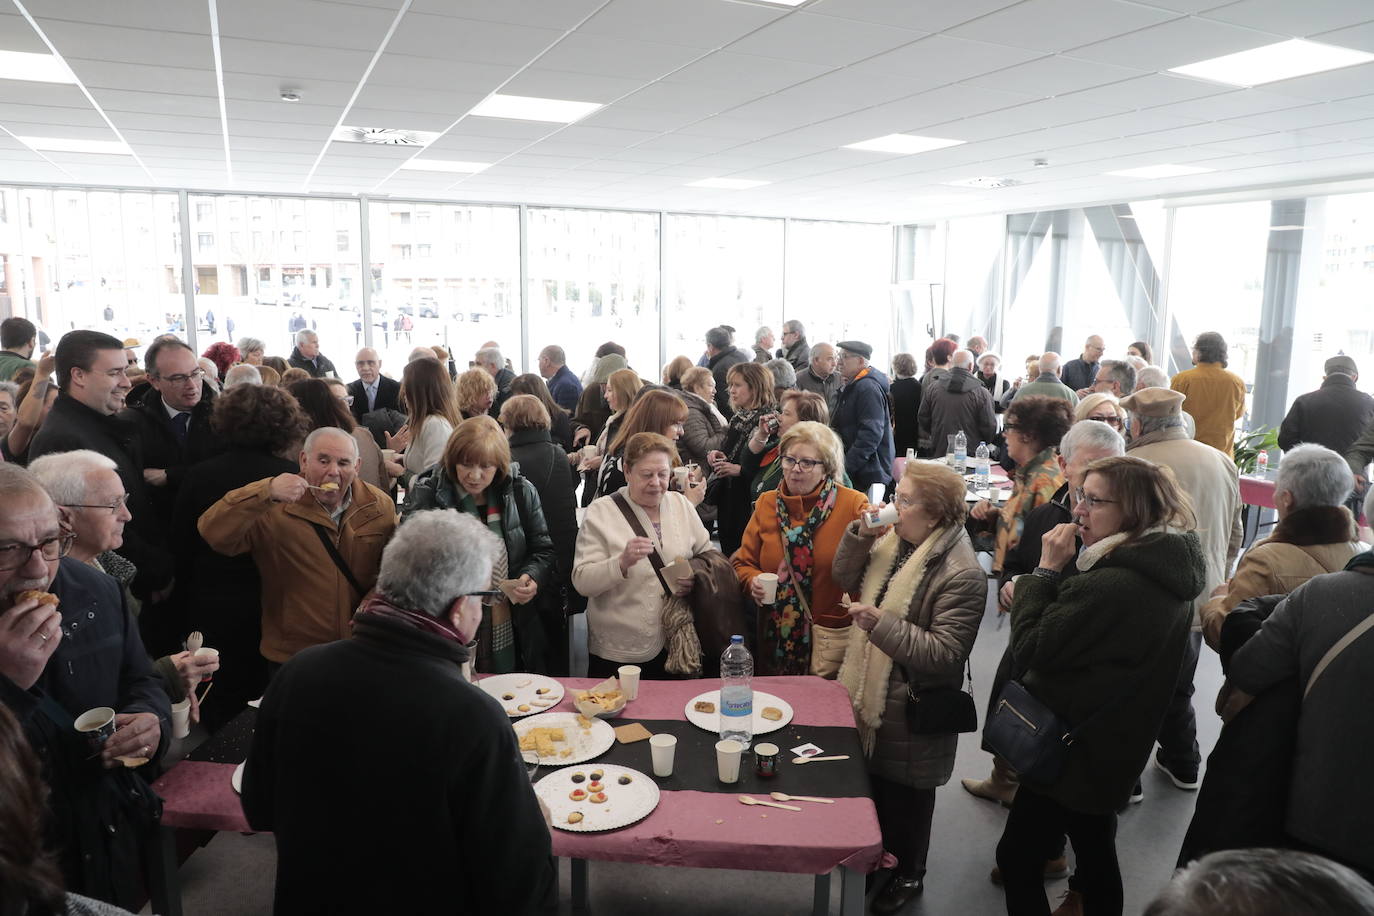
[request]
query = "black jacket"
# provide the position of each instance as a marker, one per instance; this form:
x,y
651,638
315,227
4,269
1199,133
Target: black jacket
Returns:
x,y
1334,416
321,367
454,828
720,365
159,447
99,817
906,403
862,418
503,379
546,467
72,425
388,396
799,354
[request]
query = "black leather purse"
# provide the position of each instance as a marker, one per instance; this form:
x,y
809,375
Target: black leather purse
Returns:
x,y
940,710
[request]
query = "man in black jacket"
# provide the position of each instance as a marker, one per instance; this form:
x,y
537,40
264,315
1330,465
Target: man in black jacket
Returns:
x,y
372,390
460,828
794,347
1334,415
93,386
58,662
307,356
722,354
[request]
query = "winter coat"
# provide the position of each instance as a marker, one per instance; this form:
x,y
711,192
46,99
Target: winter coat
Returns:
x,y
997,386
1334,416
72,425
529,549
1361,452
1078,374
546,467
863,420
958,402
906,405
1328,802
503,378
1216,399
1112,636
799,354
1047,385
159,448
761,355
933,643
720,366
565,389
305,598
702,431
319,367
828,387
1212,483
455,828
1306,543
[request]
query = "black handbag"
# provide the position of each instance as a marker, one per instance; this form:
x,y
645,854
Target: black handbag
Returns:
x,y
1029,735
940,710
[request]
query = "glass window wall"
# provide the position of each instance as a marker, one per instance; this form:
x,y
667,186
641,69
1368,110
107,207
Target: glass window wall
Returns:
x,y
839,283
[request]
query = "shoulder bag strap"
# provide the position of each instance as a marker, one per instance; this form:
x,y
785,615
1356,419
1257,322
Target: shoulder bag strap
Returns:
x,y
338,558
1341,645
655,560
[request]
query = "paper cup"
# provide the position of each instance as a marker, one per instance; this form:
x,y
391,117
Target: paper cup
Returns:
x,y
390,454
629,681
770,586
97,725
204,653
877,518
589,452
181,719
680,476
728,754
662,748
766,760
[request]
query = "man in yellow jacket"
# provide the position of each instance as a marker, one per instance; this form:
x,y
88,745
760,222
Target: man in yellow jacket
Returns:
x,y
303,531
1213,396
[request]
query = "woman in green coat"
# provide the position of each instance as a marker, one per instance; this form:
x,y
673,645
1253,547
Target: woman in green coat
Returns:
x,y
1108,640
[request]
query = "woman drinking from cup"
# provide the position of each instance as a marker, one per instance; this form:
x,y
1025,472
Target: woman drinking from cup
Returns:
x,y
760,462
625,599
921,595
803,629
1104,645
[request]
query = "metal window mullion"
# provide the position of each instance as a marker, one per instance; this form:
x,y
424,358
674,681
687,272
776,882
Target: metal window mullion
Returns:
x,y
188,269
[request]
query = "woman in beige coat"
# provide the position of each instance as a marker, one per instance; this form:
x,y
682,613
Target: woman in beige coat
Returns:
x,y
921,594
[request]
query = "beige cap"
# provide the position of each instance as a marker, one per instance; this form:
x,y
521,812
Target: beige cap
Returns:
x,y
1154,402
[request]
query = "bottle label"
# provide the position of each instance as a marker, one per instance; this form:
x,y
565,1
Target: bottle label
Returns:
x,y
737,706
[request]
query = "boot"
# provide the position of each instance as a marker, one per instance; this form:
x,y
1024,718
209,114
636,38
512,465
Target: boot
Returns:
x,y
1055,869
899,892
1071,904
999,787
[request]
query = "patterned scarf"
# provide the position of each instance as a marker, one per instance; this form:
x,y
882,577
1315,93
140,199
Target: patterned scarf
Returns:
x,y
1035,484
788,627
496,612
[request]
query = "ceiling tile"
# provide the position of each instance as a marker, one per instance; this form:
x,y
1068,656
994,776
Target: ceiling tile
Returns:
x,y
404,72
1055,75
823,39
682,99
99,74
582,87
1298,118
630,117
563,15
1233,104
57,95
1150,91
602,56
272,58
307,23
1332,85
168,15
1359,36
918,15
1173,44
763,74
1294,20
44,114
469,40
695,23
939,60
1057,25
17,35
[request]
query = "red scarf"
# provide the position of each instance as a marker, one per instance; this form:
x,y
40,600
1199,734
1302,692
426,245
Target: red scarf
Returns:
x,y
377,606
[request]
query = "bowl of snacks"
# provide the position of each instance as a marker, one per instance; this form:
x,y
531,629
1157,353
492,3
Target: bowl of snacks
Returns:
x,y
604,701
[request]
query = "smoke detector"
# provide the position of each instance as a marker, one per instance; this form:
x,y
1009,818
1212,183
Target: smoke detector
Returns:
x,y
385,136
985,183
290,95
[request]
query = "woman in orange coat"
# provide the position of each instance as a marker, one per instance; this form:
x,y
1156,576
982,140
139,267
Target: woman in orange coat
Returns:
x,y
805,630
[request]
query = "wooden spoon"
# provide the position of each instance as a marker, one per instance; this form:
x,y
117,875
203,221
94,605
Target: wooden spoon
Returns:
x,y
815,759
748,800
783,796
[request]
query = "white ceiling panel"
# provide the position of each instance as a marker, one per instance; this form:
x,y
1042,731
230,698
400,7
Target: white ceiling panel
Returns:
x,y
602,56
824,39
918,15
298,22
1057,25
275,58
256,87
1359,36
695,23
85,41
392,117
762,74
1295,20
163,15
17,35
446,75
939,59
1150,91
65,131
435,101
1055,75
563,15
1345,83
581,87
56,95
1305,116
40,114
99,74
1211,134
1233,104
299,112
1175,43
692,101
423,35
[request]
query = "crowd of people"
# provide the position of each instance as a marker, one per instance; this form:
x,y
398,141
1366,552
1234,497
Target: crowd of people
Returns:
x,y
356,550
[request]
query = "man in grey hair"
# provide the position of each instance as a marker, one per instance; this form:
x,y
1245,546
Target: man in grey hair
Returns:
x,y
490,359
784,376
794,348
763,344
307,356
721,355
242,374
1115,377
1258,882
1048,383
461,816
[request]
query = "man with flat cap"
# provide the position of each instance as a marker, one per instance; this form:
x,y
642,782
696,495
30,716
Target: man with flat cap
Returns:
x,y
863,417
1210,479
1334,415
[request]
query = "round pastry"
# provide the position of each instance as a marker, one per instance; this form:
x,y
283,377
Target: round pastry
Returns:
x,y
594,786
578,777
575,817
598,798
543,690
523,707
596,775
577,794
507,696
625,780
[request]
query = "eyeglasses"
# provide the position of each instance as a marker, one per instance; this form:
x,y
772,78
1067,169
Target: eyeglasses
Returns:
x,y
113,506
1110,421
13,556
903,502
1092,502
182,378
489,593
1010,427
807,464
347,399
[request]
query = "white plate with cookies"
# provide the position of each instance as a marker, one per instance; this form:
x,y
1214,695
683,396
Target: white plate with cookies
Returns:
x,y
560,738
770,713
523,694
594,797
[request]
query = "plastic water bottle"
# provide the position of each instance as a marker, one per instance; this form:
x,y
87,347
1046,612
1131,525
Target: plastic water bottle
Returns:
x,y
982,467
960,451
737,693
1262,462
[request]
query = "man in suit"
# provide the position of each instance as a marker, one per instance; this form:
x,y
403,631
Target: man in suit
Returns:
x,y
372,390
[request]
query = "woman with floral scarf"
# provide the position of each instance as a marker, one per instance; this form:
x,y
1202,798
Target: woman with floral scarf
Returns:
x,y
751,396
793,533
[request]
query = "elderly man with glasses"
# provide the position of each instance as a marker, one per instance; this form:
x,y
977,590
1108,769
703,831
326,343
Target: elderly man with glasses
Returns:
x,y
68,644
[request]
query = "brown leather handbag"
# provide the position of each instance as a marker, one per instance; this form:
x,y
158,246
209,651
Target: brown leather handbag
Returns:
x,y
717,607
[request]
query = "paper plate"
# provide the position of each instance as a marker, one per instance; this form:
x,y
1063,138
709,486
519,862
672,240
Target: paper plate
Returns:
x,y
523,690
624,804
585,745
237,779
710,721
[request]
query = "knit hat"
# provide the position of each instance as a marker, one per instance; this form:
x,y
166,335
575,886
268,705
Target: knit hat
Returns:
x,y
611,362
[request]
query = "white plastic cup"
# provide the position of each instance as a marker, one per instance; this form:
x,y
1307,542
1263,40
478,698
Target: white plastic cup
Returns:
x,y
181,719
680,476
589,452
97,725
877,518
205,652
728,755
662,748
629,681
911,454
770,586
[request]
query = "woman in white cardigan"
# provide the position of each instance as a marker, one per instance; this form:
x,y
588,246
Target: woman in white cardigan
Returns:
x,y
612,567
431,405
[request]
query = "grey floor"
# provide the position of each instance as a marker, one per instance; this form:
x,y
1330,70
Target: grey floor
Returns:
x,y
234,874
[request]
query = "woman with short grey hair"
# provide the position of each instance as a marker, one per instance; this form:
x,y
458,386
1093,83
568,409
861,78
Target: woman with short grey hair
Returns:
x,y
252,350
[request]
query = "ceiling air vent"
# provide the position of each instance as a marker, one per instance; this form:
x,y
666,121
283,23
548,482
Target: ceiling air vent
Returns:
x,y
386,136
985,184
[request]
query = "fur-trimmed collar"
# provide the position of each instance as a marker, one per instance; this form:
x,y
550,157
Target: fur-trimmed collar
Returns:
x,y
1316,525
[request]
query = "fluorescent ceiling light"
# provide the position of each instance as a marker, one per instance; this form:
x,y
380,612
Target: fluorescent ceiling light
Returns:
x,y
1161,171
35,68
68,145
529,108
1280,61
903,144
1285,228
728,184
445,165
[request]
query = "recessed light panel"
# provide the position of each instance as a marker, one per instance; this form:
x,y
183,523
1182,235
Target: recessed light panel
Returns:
x,y
69,145
35,68
1166,170
727,184
903,144
445,165
529,108
1280,61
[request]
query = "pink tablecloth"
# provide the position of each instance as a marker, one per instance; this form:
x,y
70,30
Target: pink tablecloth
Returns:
x,y
681,831
1257,491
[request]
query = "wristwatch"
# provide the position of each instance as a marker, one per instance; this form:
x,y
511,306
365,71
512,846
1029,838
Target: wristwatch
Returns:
x,y
1051,575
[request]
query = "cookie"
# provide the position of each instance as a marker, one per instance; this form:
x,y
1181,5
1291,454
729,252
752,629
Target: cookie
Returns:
x,y
579,777
524,707
625,780
575,817
598,798
704,706
772,712
577,794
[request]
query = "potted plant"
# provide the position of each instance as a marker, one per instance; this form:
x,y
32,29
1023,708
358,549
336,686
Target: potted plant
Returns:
x,y
1249,446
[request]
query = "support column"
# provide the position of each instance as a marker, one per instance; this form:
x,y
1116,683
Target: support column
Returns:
x,y
1278,313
